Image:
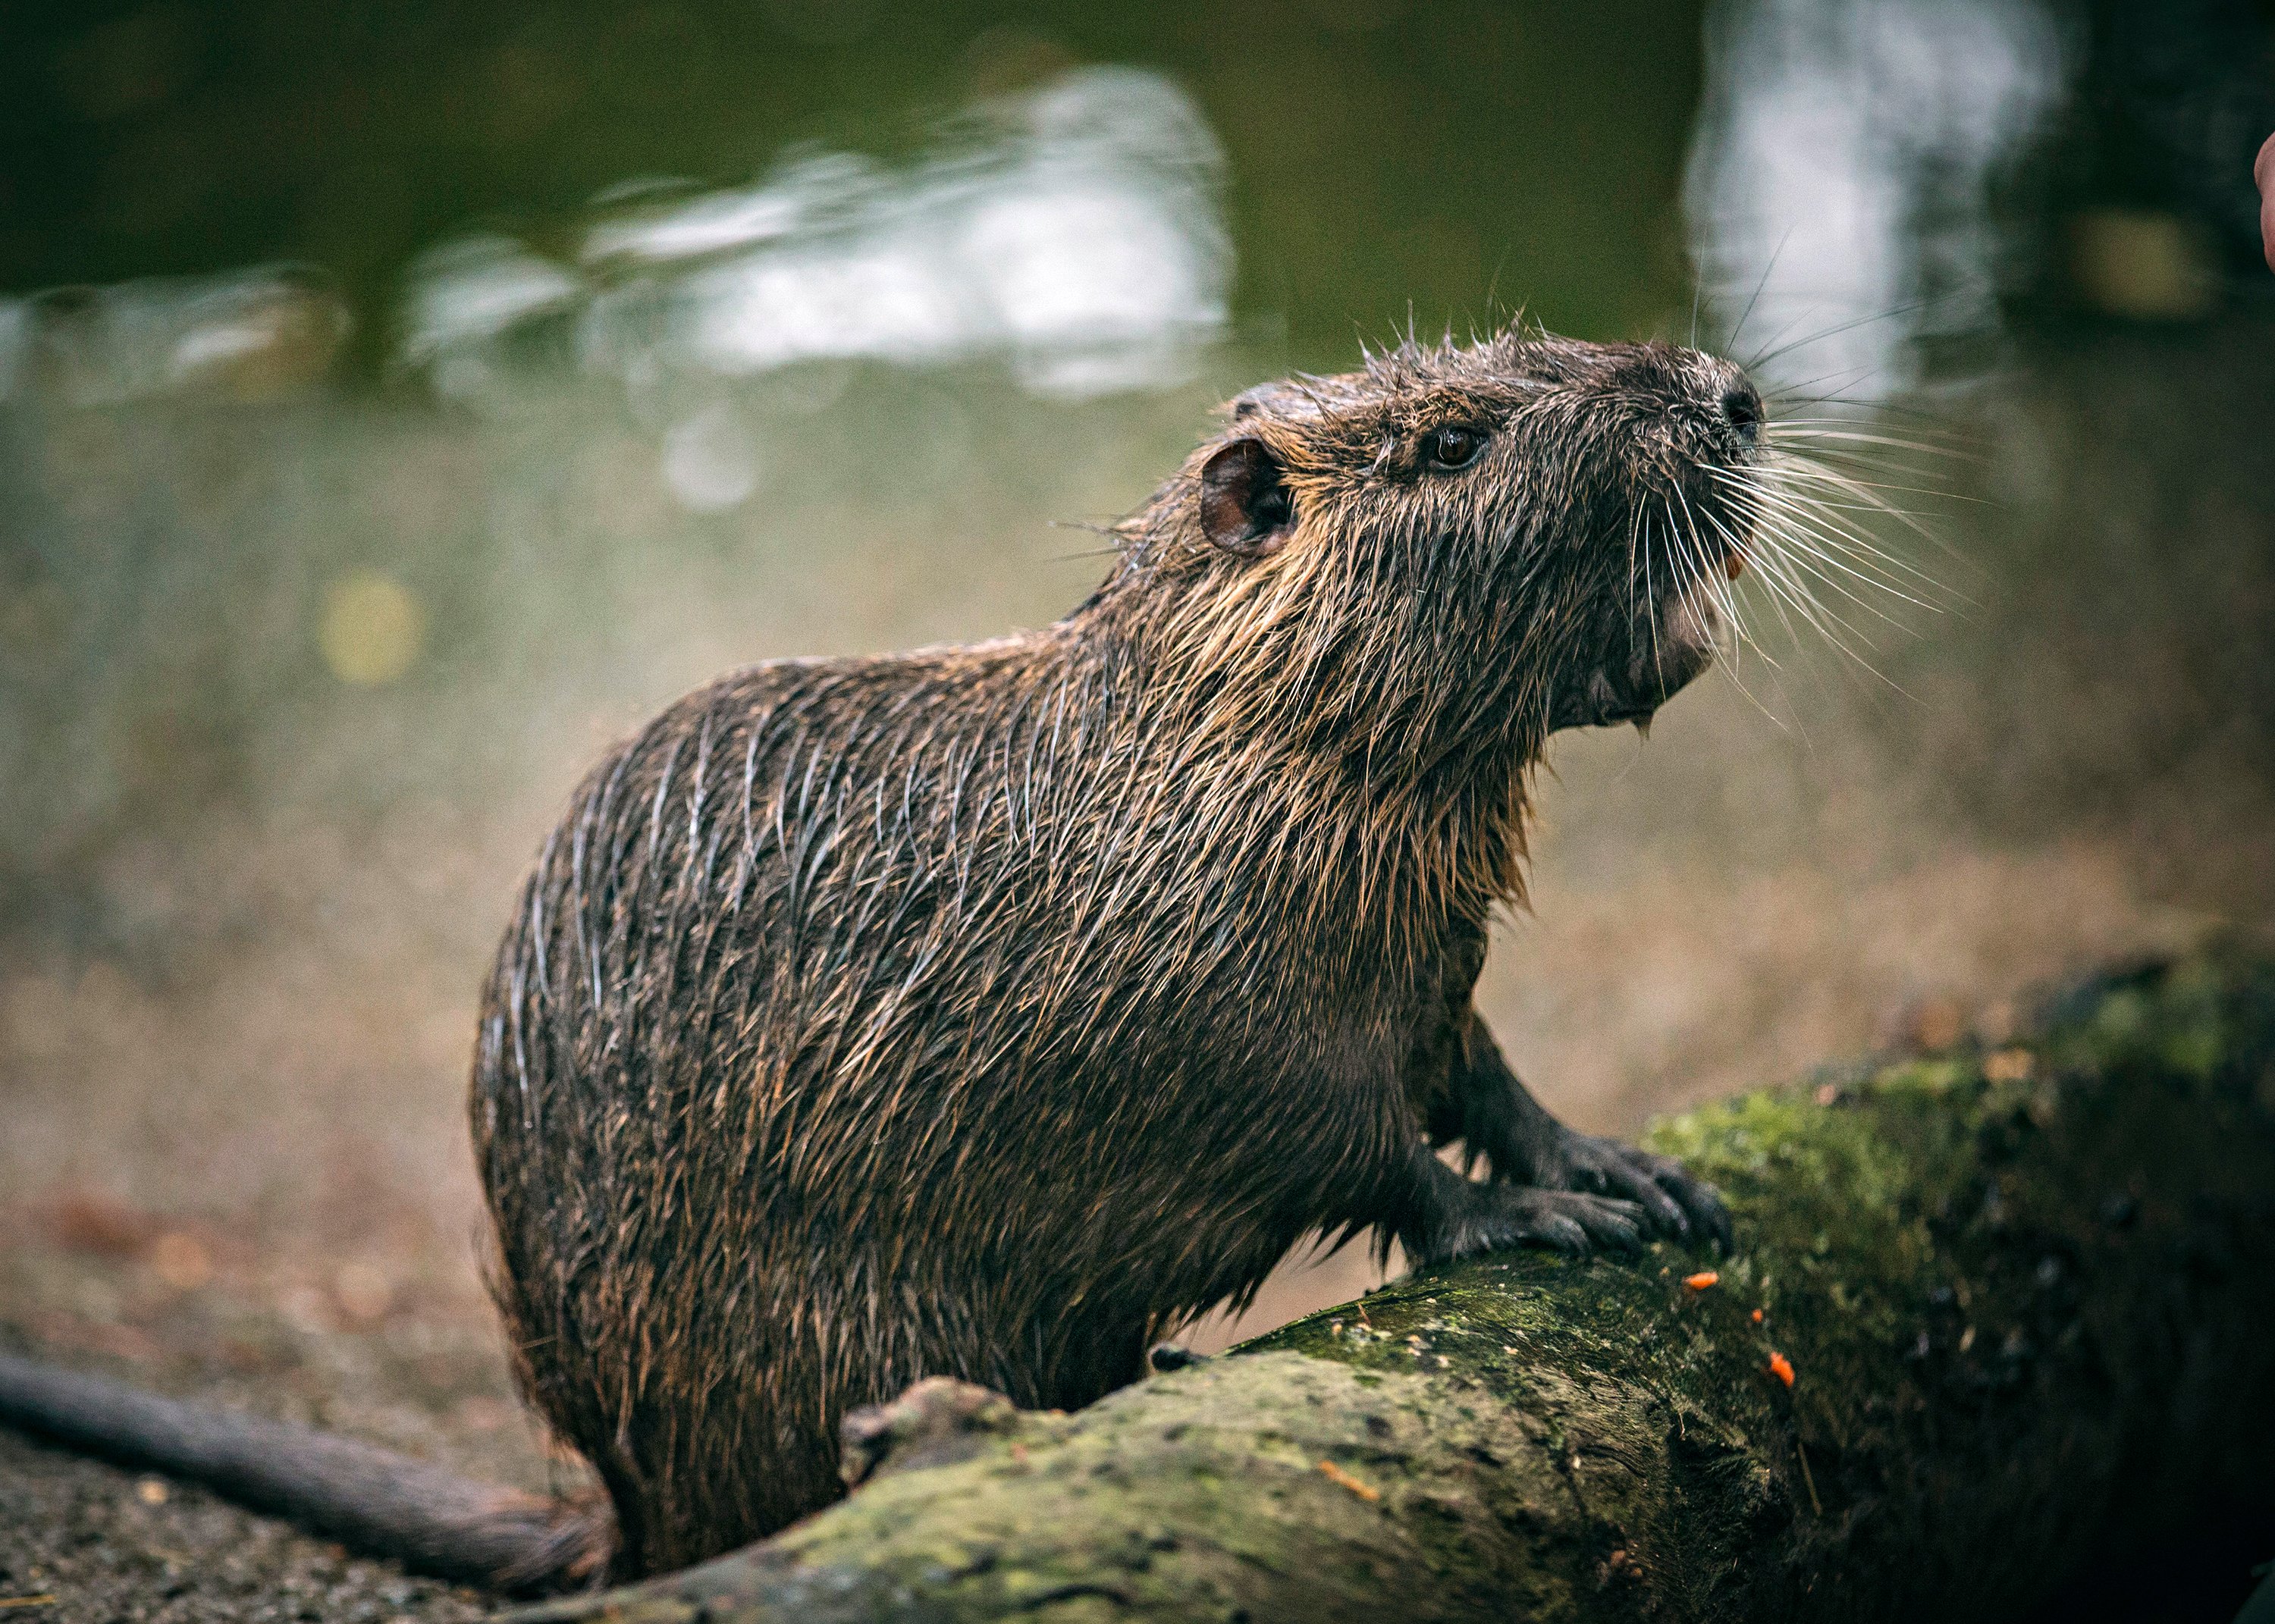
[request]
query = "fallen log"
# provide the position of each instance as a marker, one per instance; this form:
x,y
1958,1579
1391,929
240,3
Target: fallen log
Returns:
x,y
1996,1315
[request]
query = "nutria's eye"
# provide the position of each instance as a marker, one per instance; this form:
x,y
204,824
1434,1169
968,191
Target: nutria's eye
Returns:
x,y
1455,446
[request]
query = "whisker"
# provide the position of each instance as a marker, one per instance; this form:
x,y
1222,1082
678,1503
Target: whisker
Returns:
x,y
1826,538
1651,595
1828,623
1814,517
1826,563
1777,604
1861,405
1948,437
1803,469
1921,303
1848,541
1790,394
1729,595
1687,576
1707,578
1845,482
1714,583
1798,536
1859,437
1746,315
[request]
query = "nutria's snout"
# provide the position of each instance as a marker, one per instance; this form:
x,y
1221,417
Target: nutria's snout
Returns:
x,y
1699,423
1742,410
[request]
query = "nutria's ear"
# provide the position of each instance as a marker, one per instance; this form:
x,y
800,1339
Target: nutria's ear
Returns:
x,y
1245,506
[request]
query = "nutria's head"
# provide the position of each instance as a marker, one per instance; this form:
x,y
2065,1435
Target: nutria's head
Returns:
x,y
1457,546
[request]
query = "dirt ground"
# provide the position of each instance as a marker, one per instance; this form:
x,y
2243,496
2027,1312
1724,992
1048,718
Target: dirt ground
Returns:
x,y
79,1542
180,1308
82,1542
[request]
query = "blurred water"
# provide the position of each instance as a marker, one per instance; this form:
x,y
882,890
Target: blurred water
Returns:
x,y
231,333
1073,230
425,408
1841,189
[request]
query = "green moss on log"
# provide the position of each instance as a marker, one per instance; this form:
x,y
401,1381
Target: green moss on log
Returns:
x,y
2022,1293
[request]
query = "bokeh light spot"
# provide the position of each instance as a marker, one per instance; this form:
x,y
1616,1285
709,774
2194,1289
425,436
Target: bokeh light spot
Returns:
x,y
372,629
708,462
2141,264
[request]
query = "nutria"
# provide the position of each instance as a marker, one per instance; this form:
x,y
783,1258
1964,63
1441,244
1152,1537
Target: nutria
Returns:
x,y
984,1011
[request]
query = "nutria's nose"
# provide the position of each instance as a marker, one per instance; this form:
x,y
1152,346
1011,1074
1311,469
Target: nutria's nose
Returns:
x,y
1741,408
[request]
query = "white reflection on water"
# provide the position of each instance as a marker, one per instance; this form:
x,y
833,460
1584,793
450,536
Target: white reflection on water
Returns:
x,y
1074,232
467,291
1843,163
248,332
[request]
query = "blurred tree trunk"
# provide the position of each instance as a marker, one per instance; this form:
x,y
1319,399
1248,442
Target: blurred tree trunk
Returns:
x,y
2027,1299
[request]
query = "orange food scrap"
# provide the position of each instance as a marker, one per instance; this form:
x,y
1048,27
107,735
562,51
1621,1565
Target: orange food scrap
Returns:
x,y
1757,1315
1781,1368
1342,1479
1702,1280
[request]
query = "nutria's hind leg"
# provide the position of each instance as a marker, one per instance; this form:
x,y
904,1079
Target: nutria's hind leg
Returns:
x,y
938,1421
1503,1121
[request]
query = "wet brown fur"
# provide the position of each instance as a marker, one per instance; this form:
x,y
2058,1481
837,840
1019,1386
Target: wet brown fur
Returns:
x,y
983,1011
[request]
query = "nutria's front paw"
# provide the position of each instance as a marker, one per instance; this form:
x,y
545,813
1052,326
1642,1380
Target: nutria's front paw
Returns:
x,y
1563,1221
1678,1203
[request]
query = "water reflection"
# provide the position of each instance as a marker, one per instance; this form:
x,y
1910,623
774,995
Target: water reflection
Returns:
x,y
1074,232
249,333
1841,180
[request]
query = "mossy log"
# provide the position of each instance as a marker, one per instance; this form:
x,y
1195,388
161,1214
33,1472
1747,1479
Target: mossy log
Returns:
x,y
2025,1297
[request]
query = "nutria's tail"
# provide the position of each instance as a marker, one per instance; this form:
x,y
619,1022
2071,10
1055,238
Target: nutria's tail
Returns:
x,y
369,1498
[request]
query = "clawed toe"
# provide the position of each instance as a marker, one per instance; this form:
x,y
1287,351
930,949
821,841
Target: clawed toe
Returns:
x,y
1671,1201
1611,1223
1709,1217
1572,1222
1703,1215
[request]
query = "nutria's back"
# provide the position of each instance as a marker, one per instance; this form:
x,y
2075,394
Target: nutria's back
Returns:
x,y
981,1010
